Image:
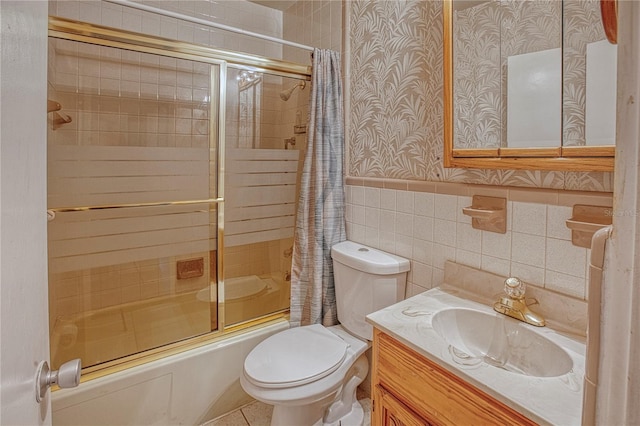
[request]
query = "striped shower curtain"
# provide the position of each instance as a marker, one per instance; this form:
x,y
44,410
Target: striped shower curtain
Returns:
x,y
320,217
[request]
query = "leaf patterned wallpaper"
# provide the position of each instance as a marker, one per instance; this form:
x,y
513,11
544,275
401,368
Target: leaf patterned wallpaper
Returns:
x,y
396,107
583,19
485,36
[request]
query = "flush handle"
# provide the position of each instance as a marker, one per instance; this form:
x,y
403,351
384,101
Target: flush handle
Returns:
x,y
68,376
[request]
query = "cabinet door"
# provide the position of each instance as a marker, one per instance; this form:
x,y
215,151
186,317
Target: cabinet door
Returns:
x,y
432,392
391,412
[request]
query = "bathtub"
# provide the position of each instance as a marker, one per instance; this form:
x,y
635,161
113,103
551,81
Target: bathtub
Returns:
x,y
249,297
188,388
110,333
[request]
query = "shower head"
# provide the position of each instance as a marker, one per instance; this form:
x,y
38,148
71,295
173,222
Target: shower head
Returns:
x,y
286,94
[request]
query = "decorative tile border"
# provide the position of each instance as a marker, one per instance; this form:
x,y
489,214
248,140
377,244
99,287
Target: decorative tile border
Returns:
x,y
557,197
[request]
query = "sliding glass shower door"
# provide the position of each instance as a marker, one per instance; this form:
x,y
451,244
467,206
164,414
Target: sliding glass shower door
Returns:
x,y
132,153
172,184
263,160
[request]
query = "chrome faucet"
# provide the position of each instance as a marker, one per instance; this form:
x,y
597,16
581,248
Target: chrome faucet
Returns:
x,y
513,304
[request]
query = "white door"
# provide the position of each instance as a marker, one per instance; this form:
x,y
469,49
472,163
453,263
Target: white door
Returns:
x,y
24,324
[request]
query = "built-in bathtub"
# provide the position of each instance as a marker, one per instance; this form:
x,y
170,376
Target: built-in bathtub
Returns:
x,y
249,297
188,388
109,333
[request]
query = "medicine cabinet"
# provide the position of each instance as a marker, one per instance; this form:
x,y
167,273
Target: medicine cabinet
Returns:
x,y
530,85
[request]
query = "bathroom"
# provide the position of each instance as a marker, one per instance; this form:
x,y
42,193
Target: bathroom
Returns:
x,y
395,193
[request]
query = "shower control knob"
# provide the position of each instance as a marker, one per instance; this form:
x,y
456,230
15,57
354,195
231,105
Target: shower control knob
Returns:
x,y
68,376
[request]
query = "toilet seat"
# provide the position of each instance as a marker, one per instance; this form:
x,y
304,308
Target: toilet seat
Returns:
x,y
295,357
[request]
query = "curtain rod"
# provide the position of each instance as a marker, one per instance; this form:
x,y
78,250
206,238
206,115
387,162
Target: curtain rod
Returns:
x,y
183,17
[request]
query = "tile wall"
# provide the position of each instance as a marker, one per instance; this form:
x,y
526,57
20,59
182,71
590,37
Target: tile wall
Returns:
x,y
312,23
426,225
258,258
84,290
122,98
237,13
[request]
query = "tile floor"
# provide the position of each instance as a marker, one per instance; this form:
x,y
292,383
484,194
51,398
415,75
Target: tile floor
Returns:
x,y
259,414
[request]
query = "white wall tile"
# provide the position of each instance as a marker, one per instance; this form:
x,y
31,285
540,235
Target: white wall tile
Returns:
x,y
388,199
372,217
424,204
89,12
430,241
388,220
444,232
404,224
404,202
356,233
469,258
422,251
468,239
372,197
372,237
497,266
69,9
530,218
347,194
422,274
387,241
566,284
404,246
528,249
496,245
132,20
528,274
437,277
445,207
557,222
423,227
441,254
564,257
359,215
111,15
357,195
414,290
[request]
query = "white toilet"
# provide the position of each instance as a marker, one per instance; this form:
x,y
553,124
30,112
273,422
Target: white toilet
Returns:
x,y
310,374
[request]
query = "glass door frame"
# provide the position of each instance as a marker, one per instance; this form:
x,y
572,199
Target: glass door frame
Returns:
x,y
66,29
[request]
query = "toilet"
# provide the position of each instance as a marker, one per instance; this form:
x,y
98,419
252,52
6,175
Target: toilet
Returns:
x,y
310,374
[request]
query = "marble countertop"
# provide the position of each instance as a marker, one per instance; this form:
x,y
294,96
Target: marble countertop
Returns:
x,y
546,400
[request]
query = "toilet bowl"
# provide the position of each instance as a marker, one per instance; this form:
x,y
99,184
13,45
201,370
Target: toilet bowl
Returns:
x,y
310,374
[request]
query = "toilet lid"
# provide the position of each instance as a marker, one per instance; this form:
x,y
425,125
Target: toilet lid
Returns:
x,y
294,357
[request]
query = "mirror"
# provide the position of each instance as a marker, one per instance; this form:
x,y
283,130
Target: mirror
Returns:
x,y
529,84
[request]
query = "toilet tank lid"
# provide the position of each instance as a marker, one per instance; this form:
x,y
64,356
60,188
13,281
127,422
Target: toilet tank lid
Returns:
x,y
367,259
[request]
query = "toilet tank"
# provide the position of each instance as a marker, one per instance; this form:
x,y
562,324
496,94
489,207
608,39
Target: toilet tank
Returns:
x,y
366,280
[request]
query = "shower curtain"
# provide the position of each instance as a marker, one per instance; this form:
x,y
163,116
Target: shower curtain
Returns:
x,y
320,217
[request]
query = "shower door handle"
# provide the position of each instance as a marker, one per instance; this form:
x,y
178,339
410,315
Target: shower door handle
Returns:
x,y
68,376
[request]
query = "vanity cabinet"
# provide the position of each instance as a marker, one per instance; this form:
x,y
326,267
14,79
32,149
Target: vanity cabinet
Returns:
x,y
409,389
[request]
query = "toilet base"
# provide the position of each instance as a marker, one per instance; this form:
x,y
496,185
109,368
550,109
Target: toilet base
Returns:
x,y
339,408
290,416
354,418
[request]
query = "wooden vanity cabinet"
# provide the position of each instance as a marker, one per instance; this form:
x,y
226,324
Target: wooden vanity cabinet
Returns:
x,y
409,389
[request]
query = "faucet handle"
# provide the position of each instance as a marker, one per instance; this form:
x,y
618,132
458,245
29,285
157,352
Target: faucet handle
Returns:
x,y
514,287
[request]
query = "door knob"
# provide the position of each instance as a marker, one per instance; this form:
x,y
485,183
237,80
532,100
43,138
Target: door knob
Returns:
x,y
68,376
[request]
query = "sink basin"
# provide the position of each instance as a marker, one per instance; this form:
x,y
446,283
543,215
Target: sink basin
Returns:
x,y
475,336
